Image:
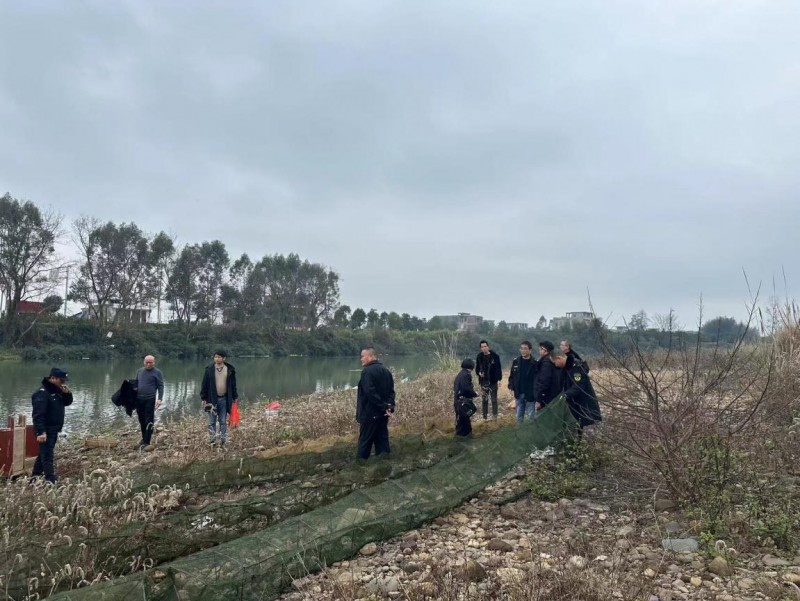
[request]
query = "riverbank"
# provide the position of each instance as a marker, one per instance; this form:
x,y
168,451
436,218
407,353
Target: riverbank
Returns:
x,y
138,502
593,520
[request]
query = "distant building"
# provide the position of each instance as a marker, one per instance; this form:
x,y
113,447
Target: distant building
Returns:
x,y
570,319
463,322
140,314
517,326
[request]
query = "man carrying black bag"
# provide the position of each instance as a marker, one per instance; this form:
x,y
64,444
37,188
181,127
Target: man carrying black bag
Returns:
x,y
463,393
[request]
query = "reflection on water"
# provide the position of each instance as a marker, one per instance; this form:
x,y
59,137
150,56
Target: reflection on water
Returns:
x,y
93,383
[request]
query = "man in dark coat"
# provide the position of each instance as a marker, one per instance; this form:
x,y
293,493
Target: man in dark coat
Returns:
x,y
463,389
374,406
572,355
487,366
48,420
580,394
218,393
522,379
548,378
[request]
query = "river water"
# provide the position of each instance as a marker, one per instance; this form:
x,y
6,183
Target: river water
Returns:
x,y
259,380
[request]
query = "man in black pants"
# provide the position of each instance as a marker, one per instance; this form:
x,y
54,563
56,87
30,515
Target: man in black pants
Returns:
x,y
149,392
487,366
549,381
374,406
48,420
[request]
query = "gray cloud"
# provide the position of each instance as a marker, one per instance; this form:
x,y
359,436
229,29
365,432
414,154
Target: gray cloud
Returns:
x,y
497,158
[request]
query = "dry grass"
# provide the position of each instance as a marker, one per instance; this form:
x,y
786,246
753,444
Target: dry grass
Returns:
x,y
43,526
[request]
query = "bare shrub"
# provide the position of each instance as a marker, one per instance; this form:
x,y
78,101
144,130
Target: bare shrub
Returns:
x,y
704,420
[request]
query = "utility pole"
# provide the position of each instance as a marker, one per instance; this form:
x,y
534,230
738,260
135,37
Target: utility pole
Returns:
x,y
66,290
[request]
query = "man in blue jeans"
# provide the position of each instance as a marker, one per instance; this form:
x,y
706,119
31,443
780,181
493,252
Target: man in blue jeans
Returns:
x,y
218,394
521,381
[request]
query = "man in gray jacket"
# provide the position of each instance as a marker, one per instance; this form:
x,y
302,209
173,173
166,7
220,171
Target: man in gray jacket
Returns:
x,y
149,394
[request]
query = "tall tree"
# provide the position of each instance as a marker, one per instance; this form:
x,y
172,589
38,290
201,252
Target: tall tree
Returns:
x,y
639,321
235,305
435,323
726,329
341,317
162,250
182,284
117,268
291,292
197,284
214,261
395,322
27,253
358,319
373,319
542,323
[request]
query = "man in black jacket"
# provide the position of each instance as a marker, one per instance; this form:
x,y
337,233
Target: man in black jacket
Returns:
x,y
48,420
549,377
579,391
572,356
375,404
218,393
521,381
487,366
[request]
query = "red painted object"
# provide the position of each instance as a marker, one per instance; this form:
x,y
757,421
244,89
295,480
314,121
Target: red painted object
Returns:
x,y
18,447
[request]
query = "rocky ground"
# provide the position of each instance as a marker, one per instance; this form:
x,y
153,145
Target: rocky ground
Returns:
x,y
611,543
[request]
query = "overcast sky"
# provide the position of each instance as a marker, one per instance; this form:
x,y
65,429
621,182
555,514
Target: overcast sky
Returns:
x,y
500,158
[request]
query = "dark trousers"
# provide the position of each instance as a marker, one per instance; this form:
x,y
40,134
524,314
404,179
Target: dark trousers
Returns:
x,y
45,462
373,432
146,412
487,392
463,424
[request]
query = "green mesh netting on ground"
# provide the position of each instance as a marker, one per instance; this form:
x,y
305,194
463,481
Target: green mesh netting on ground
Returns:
x,y
259,566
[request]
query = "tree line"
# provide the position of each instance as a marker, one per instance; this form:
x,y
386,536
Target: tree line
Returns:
x,y
122,270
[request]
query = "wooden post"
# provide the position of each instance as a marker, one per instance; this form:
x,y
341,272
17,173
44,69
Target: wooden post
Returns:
x,y
18,447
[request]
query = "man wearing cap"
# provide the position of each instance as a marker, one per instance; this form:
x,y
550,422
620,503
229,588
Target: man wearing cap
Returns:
x,y
149,392
48,420
218,394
